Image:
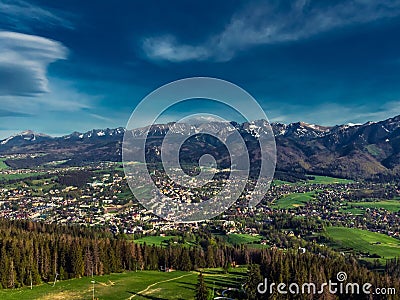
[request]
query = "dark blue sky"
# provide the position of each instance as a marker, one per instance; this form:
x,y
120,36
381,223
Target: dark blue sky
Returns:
x,y
76,65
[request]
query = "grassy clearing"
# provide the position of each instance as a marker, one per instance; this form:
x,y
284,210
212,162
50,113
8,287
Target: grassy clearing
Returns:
x,y
251,241
131,285
19,175
125,195
374,150
293,200
390,205
328,180
156,240
352,209
3,165
241,238
38,186
364,241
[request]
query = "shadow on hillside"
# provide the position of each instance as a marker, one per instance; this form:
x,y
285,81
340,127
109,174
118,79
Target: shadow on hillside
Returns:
x,y
187,285
146,296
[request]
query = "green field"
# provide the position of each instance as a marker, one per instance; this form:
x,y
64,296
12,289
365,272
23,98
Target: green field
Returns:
x,y
38,186
351,209
293,200
238,238
156,240
277,182
328,180
3,165
125,195
390,205
317,180
364,241
251,241
131,285
19,175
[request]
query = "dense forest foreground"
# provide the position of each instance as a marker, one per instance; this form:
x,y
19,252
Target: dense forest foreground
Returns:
x,y
36,252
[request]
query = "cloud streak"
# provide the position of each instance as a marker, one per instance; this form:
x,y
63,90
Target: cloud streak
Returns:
x,y
23,63
8,113
331,114
23,16
266,24
168,48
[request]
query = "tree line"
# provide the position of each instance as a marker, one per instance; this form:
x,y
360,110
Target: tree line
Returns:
x,y
36,252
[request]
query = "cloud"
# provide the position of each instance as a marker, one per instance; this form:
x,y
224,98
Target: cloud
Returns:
x,y
167,48
264,23
23,16
100,117
23,62
331,114
8,113
61,111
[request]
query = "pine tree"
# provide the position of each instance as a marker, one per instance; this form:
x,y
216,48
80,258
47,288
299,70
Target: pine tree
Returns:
x,y
253,279
11,275
210,257
201,288
185,264
77,260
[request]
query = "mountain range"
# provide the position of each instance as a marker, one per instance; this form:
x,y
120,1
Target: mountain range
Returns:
x,y
370,150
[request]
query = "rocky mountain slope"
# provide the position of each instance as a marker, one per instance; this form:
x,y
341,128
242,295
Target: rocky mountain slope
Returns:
x,y
370,150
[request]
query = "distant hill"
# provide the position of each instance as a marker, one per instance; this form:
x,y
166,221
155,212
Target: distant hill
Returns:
x,y
370,150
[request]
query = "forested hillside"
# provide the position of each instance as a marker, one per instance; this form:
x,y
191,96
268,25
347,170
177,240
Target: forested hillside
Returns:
x,y
36,251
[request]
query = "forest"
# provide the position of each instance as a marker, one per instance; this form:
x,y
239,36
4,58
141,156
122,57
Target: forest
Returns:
x,y
35,252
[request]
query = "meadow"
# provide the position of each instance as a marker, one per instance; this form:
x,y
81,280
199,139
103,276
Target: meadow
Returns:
x,y
156,240
293,200
239,239
20,175
328,180
390,205
251,241
364,241
278,182
131,285
317,179
3,165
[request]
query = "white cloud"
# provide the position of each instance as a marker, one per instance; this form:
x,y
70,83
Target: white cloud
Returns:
x,y
266,23
23,63
100,117
22,16
167,48
330,114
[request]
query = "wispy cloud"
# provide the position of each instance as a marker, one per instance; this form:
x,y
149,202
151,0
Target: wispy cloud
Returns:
x,y
168,48
63,98
100,117
333,113
264,23
23,16
9,113
23,63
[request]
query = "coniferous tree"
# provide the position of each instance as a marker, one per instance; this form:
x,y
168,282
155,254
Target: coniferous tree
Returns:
x,y
201,288
253,279
185,264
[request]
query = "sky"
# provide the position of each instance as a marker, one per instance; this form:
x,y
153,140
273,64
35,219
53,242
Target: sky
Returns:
x,y
78,65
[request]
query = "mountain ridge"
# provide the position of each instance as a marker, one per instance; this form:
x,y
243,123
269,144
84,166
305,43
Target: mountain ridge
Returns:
x,y
369,150
298,124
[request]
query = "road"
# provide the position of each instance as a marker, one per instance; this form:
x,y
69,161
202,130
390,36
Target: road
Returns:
x,y
158,282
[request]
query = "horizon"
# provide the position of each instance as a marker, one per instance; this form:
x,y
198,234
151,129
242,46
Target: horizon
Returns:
x,y
30,131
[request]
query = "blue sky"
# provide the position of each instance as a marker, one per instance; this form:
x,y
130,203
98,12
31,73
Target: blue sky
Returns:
x,y
77,65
